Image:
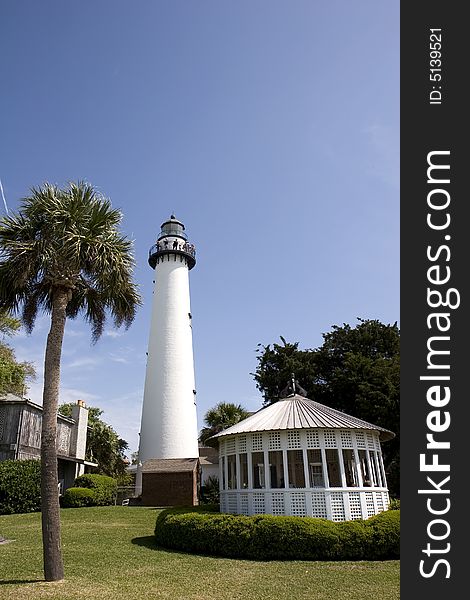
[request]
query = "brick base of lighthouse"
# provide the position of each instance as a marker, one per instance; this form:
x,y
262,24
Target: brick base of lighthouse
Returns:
x,y
170,482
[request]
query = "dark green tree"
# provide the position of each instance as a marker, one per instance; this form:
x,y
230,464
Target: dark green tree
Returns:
x,y
276,364
218,418
356,370
63,254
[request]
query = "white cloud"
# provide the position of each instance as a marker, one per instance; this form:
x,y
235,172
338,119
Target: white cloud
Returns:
x,y
118,359
113,334
73,333
85,362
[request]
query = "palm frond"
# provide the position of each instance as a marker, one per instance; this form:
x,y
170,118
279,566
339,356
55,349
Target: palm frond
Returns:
x,y
67,238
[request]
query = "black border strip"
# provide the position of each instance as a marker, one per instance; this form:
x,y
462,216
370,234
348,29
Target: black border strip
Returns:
x,y
434,256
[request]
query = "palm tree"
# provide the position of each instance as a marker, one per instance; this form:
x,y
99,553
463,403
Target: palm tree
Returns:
x,y
223,415
62,254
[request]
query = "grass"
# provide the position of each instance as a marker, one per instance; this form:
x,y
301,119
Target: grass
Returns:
x,y
109,554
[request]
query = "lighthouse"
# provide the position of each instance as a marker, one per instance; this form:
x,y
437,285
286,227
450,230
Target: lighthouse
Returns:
x,y
168,433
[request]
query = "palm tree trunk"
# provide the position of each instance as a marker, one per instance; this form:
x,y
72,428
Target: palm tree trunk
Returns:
x,y
53,564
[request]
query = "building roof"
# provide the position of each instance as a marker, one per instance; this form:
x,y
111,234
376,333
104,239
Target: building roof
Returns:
x,y
14,399
297,412
208,455
169,465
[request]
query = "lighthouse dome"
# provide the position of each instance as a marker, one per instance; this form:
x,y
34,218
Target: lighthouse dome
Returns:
x,y
173,228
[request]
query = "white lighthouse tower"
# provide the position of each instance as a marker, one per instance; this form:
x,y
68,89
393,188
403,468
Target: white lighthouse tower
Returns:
x,y
169,422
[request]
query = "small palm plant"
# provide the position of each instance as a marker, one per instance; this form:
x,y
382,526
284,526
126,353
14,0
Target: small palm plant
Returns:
x,y
63,254
220,417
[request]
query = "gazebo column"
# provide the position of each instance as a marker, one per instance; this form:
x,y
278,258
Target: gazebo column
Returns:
x,y
341,467
329,513
237,481
382,469
362,496
285,470
347,512
373,477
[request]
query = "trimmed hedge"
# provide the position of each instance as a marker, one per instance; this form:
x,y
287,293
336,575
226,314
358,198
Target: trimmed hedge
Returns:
x,y
20,486
104,488
267,537
77,497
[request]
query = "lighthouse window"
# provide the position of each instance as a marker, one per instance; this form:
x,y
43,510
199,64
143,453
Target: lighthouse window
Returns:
x,y
332,464
232,472
243,471
315,468
350,468
276,469
295,464
257,459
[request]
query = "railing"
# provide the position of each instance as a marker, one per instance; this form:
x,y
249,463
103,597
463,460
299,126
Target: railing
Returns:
x,y
175,246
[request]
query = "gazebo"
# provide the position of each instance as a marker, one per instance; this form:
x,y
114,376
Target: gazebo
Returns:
x,y
301,458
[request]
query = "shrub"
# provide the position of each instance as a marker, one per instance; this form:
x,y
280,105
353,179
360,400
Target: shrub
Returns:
x,y
77,497
267,537
394,504
104,488
20,486
385,535
210,493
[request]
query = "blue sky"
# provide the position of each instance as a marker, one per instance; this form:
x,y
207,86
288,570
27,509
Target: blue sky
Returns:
x,y
270,128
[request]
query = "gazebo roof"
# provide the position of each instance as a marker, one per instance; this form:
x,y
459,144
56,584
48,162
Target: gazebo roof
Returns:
x,y
297,412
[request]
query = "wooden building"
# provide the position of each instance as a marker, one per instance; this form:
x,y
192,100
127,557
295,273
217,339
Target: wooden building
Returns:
x,y
20,436
170,482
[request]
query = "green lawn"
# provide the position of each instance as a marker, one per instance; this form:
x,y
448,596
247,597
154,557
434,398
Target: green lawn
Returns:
x,y
109,553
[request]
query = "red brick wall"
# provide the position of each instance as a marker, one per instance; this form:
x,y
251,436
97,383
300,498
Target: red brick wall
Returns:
x,y
169,489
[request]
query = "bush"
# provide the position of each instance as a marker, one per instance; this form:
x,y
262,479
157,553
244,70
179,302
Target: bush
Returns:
x,y
267,537
77,497
104,488
20,486
394,504
385,535
210,493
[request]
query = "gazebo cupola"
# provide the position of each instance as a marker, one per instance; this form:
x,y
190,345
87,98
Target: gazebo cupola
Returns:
x,y
299,457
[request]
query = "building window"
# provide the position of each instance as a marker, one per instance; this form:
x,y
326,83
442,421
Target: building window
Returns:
x,y
373,468
315,468
243,471
276,469
232,471
332,464
365,472
295,465
257,459
350,470
223,472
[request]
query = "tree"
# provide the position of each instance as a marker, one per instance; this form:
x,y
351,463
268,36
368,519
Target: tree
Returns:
x,y
62,253
13,374
276,365
223,415
104,445
356,370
